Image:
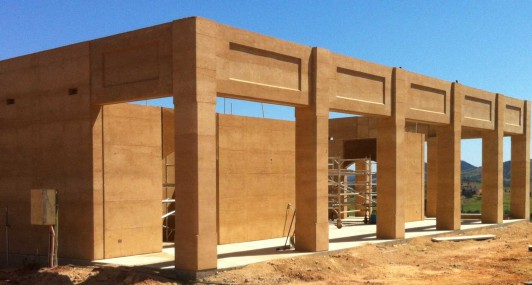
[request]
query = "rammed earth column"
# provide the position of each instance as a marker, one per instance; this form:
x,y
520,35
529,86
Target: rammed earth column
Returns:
x,y
520,201
492,176
449,170
312,144
390,160
194,80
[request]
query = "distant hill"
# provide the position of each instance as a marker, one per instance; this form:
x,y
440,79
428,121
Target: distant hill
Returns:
x,y
507,169
471,173
466,166
474,174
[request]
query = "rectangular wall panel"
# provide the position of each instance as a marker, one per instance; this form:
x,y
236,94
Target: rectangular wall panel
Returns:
x,y
477,109
134,64
428,99
256,178
262,67
254,67
513,115
132,144
359,86
414,177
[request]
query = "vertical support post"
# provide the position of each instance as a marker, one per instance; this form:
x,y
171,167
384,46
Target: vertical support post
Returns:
x,y
362,179
449,169
432,176
520,195
492,175
390,159
312,144
194,81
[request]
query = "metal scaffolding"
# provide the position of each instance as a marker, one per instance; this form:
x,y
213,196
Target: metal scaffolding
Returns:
x,y
351,191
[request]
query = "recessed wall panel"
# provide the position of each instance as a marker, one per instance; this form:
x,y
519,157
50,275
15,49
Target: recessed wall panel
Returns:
x,y
477,109
263,67
134,64
428,99
512,116
255,67
359,86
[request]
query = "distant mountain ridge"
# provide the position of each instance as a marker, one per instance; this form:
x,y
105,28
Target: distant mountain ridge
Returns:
x,y
466,166
473,173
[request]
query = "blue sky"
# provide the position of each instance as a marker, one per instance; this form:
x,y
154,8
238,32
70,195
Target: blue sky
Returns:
x,y
484,44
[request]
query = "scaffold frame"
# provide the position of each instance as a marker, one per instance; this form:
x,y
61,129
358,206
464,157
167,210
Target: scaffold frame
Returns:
x,y
351,191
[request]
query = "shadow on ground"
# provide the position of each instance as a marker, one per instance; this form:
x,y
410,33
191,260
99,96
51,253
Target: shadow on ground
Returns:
x,y
67,275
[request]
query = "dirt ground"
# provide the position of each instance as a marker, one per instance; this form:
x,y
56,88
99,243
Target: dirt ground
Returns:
x,y
86,275
504,260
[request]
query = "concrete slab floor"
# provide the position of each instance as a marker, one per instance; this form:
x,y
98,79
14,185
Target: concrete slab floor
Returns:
x,y
352,234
